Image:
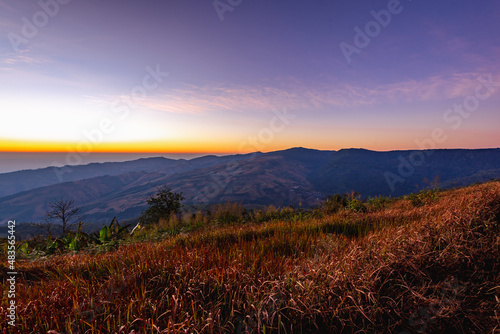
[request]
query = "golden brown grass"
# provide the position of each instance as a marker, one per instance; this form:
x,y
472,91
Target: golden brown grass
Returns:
x,y
403,269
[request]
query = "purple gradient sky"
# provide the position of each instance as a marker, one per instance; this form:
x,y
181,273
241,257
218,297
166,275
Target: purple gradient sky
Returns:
x,y
226,77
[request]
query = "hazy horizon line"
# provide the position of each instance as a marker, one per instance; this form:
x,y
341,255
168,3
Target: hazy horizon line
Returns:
x,y
21,161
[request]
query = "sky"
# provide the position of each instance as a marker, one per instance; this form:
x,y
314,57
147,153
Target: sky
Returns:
x,y
235,76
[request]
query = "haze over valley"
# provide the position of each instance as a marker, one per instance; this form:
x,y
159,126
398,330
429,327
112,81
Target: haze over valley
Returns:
x,y
296,177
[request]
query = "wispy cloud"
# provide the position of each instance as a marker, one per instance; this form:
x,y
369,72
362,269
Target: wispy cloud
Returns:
x,y
192,99
447,40
433,88
21,58
4,5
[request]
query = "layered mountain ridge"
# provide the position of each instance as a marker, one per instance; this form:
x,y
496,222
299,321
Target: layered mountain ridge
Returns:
x,y
297,176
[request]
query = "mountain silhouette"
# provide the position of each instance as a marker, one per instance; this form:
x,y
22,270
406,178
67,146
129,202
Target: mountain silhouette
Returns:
x,y
297,176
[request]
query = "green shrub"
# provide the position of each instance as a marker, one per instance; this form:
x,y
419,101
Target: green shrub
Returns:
x,y
377,203
424,196
356,205
162,205
228,213
334,203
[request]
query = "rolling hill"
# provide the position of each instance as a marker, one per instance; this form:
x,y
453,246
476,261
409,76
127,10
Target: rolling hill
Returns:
x,y
403,267
298,176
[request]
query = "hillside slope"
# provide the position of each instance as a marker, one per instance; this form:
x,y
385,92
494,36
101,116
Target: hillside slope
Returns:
x,y
429,268
299,177
25,180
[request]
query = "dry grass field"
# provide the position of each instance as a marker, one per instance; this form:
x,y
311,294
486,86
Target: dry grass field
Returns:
x,y
412,265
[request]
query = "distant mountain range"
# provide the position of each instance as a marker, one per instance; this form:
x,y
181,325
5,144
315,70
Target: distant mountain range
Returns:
x,y
296,176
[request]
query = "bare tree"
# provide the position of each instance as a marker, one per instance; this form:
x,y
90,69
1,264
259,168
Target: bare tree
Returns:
x,y
65,213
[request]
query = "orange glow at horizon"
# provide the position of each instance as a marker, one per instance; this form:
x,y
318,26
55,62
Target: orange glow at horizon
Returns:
x,y
7,145
215,146
179,147
172,147
165,147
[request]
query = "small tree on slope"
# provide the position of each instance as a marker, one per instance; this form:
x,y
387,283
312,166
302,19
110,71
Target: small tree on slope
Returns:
x,y
162,205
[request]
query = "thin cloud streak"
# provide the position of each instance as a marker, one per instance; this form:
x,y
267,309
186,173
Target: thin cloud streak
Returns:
x,y
7,7
206,99
21,58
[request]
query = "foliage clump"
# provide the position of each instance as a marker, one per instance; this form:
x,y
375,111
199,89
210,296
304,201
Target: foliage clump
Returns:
x,y
425,196
161,205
